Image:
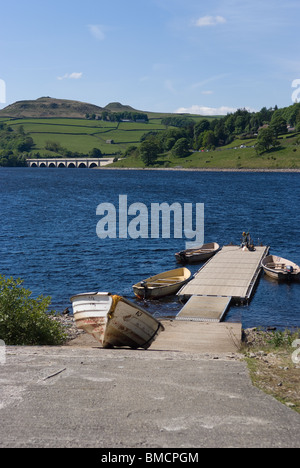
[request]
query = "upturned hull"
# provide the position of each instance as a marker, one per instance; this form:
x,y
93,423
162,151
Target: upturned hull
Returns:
x,y
114,321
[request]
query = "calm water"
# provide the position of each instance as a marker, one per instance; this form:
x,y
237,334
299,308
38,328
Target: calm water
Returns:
x,y
48,232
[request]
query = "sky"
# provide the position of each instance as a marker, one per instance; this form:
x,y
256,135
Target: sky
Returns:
x,y
206,58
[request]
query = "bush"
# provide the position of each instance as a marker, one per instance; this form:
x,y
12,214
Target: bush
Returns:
x,y
25,321
53,146
149,152
181,148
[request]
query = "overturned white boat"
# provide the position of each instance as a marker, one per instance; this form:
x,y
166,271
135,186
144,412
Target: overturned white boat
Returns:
x,y
115,321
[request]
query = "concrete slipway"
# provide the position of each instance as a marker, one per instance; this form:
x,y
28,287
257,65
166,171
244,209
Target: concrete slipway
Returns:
x,y
89,397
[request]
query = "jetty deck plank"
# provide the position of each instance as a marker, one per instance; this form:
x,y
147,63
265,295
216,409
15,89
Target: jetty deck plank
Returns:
x,y
231,272
204,309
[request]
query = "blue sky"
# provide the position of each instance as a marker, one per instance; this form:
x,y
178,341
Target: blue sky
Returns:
x,y
155,55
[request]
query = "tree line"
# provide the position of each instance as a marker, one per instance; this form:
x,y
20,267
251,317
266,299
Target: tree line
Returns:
x,y
14,146
119,116
183,134
55,147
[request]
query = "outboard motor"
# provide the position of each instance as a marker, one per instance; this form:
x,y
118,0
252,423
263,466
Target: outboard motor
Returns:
x,y
144,285
182,257
290,271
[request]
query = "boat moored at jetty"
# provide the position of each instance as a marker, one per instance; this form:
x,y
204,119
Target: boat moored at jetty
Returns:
x,y
198,255
280,269
164,284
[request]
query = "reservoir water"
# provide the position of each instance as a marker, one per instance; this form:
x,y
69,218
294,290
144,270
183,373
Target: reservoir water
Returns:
x,y
48,232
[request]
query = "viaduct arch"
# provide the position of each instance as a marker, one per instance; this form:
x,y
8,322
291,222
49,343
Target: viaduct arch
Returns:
x,y
87,163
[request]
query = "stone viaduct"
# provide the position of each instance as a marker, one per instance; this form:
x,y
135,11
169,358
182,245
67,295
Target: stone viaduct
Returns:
x,y
88,163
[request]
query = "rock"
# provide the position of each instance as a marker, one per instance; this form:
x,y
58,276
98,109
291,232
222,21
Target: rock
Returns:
x,y
68,323
290,405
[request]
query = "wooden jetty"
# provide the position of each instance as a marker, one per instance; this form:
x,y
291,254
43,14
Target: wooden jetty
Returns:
x,y
204,309
231,275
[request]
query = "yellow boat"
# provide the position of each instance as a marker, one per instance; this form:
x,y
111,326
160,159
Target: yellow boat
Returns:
x,y
164,284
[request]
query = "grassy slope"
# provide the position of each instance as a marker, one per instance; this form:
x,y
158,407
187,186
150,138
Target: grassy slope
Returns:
x,y
83,135
287,156
269,358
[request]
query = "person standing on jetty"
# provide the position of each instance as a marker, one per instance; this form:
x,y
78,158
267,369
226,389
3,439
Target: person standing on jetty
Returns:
x,y
246,240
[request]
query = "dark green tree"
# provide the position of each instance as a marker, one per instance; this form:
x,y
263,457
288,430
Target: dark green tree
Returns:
x,y
149,151
278,124
201,127
209,139
95,153
265,140
181,148
25,145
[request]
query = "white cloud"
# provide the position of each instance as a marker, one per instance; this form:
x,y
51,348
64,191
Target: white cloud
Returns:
x,y
71,76
209,21
201,110
210,111
75,76
97,31
200,84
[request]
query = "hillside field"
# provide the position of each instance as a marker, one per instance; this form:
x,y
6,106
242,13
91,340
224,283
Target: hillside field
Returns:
x,y
286,156
82,135
113,138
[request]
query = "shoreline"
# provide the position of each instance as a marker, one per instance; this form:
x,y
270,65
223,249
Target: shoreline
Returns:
x,y
195,169
182,169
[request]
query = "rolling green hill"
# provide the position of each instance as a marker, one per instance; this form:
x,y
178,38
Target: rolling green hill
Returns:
x,y
118,107
62,128
46,107
64,122
286,156
80,135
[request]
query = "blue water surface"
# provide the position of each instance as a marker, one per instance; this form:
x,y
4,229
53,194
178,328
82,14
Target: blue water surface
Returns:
x,y
48,232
